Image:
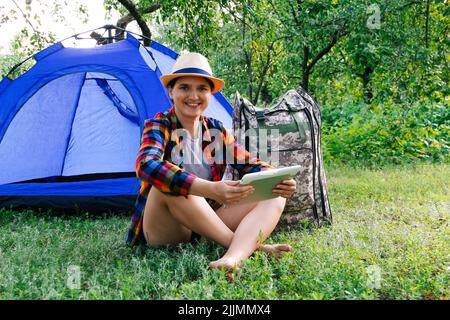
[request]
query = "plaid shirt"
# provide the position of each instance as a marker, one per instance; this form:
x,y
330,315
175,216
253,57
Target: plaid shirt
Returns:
x,y
155,166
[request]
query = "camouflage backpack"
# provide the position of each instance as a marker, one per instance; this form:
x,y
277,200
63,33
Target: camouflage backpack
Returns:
x,y
292,128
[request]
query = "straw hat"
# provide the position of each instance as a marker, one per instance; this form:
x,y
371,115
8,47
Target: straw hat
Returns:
x,y
192,64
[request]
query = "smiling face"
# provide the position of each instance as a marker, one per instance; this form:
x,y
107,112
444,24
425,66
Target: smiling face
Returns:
x,y
190,96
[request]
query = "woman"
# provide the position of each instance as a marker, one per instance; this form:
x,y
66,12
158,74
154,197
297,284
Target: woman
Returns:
x,y
186,201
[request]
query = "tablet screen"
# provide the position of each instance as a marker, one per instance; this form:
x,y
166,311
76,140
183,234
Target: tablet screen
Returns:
x,y
264,181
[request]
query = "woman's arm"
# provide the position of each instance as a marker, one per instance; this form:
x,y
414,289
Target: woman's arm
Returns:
x,y
226,192
285,188
245,162
150,166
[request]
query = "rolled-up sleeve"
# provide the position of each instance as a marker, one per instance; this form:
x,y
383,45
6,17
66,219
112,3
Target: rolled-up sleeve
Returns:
x,y
151,166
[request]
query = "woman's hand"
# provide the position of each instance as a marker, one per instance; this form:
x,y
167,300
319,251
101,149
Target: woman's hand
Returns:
x,y
285,189
229,192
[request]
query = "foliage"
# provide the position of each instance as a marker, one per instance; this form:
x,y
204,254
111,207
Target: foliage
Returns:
x,y
389,240
184,24
195,22
388,133
399,66
249,56
6,64
31,38
376,61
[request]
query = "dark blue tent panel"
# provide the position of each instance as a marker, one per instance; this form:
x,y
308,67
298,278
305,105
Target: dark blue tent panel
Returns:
x,y
70,127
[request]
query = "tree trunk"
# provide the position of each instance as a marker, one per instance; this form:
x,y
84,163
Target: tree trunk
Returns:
x,y
138,16
305,69
427,23
248,59
263,74
368,94
265,96
308,67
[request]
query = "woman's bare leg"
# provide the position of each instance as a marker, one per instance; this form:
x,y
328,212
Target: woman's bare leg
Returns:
x,y
170,219
253,228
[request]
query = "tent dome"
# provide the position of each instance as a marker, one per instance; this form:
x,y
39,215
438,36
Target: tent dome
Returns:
x,y
70,127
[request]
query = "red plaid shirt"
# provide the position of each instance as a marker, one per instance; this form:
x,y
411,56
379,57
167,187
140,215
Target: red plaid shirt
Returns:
x,y
155,166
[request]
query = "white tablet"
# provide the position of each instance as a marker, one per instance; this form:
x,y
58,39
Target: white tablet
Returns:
x,y
265,181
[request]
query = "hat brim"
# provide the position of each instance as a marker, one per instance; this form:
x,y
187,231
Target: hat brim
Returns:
x,y
218,84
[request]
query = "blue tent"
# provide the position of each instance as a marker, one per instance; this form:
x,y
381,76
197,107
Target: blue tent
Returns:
x,y
70,127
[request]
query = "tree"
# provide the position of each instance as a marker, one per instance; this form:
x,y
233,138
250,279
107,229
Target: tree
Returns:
x,y
384,53
248,57
413,63
32,38
196,20
136,13
311,29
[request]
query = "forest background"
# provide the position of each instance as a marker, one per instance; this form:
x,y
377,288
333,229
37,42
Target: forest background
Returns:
x,y
379,69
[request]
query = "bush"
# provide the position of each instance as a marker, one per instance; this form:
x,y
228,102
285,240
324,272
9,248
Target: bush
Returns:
x,y
386,134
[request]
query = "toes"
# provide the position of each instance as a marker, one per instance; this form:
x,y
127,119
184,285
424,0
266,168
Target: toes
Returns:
x,y
276,249
216,264
224,264
284,247
230,277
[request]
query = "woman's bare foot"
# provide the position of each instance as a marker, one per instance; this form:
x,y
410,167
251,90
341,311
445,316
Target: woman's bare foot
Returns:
x,y
227,263
276,249
232,263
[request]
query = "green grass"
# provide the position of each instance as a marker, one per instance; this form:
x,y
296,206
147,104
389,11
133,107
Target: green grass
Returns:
x,y
390,240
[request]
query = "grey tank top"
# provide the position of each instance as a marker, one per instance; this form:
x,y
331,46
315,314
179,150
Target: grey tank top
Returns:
x,y
194,161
